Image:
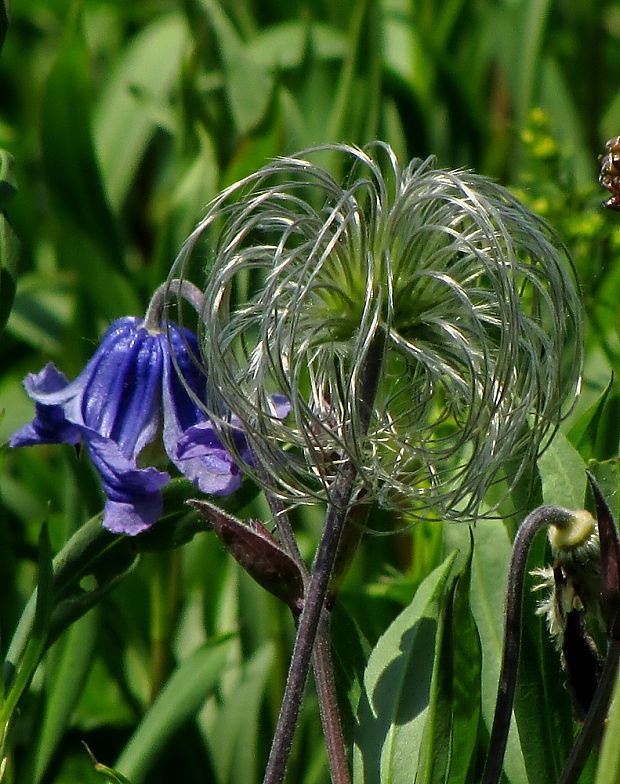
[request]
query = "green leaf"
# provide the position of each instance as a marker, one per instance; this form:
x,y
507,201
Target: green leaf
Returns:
x,y
350,656
41,312
283,45
399,687
563,474
8,187
233,739
130,109
492,550
66,674
72,170
196,186
9,246
184,692
111,775
558,98
609,761
4,21
248,86
434,754
610,122
531,19
404,53
20,669
466,660
362,26
607,475
91,550
45,587
583,434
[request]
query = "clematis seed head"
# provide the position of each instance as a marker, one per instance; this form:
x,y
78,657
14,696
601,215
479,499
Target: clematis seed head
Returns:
x,y
468,296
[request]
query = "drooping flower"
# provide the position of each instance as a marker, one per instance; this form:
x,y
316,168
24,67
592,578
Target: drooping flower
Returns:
x,y
462,300
129,392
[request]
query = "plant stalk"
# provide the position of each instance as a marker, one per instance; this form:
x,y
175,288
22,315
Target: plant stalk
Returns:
x,y
314,600
157,305
322,660
328,703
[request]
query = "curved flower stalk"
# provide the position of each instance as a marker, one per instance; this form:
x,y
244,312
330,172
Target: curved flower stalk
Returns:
x,y
142,381
466,297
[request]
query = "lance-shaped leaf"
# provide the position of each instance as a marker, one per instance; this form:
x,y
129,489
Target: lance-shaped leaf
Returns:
x,y
8,239
610,562
4,21
258,552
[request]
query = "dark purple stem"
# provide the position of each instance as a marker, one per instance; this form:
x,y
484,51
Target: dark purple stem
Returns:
x,y
314,600
322,659
328,703
544,515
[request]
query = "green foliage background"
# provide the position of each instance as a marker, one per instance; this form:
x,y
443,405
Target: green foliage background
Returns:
x,y
118,122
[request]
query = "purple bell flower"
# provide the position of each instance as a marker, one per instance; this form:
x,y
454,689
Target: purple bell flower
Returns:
x,y
117,405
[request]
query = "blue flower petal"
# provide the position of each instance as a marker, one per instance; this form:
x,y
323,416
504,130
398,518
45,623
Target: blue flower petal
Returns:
x,y
198,441
50,425
121,387
200,451
117,394
134,494
213,471
114,407
132,518
281,406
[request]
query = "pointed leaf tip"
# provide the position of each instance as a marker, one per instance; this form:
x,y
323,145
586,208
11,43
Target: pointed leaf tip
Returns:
x,y
610,561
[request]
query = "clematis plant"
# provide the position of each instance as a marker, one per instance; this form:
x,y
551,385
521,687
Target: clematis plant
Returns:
x,y
424,325
413,341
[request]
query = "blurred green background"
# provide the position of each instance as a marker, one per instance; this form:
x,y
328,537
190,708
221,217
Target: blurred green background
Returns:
x,y
123,119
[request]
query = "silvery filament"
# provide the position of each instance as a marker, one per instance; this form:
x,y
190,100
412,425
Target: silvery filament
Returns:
x,y
469,297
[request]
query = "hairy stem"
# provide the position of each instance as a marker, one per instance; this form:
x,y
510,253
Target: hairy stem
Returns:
x,y
328,703
307,630
281,520
544,515
322,660
181,288
314,600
